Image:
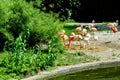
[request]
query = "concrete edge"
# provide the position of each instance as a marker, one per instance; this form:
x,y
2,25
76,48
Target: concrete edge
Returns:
x,y
74,68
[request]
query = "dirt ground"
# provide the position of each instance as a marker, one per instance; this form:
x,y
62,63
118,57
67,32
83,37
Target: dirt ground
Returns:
x,y
107,47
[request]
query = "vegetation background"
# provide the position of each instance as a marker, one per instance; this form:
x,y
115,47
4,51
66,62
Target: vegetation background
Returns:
x,y
28,35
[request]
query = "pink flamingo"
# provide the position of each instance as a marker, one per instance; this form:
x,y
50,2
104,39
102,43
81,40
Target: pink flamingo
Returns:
x,y
64,37
113,27
74,37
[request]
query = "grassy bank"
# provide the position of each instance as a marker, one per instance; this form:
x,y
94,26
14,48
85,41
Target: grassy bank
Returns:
x,y
72,58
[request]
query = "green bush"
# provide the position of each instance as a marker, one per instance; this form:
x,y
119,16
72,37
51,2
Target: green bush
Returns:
x,y
19,15
21,62
22,30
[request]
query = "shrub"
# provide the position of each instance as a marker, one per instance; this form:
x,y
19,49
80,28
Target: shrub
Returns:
x,y
19,15
21,62
22,28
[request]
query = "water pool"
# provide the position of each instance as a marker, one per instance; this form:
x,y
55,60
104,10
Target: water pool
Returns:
x,y
111,73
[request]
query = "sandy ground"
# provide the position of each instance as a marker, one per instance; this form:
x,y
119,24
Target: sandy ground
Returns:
x,y
107,47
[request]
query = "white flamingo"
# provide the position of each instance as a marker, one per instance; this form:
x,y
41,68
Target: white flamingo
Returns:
x,y
86,39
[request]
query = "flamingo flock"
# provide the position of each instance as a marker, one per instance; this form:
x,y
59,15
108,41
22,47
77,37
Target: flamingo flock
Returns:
x,y
84,35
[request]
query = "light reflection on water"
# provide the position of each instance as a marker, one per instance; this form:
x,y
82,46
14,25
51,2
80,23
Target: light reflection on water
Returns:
x,y
111,73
